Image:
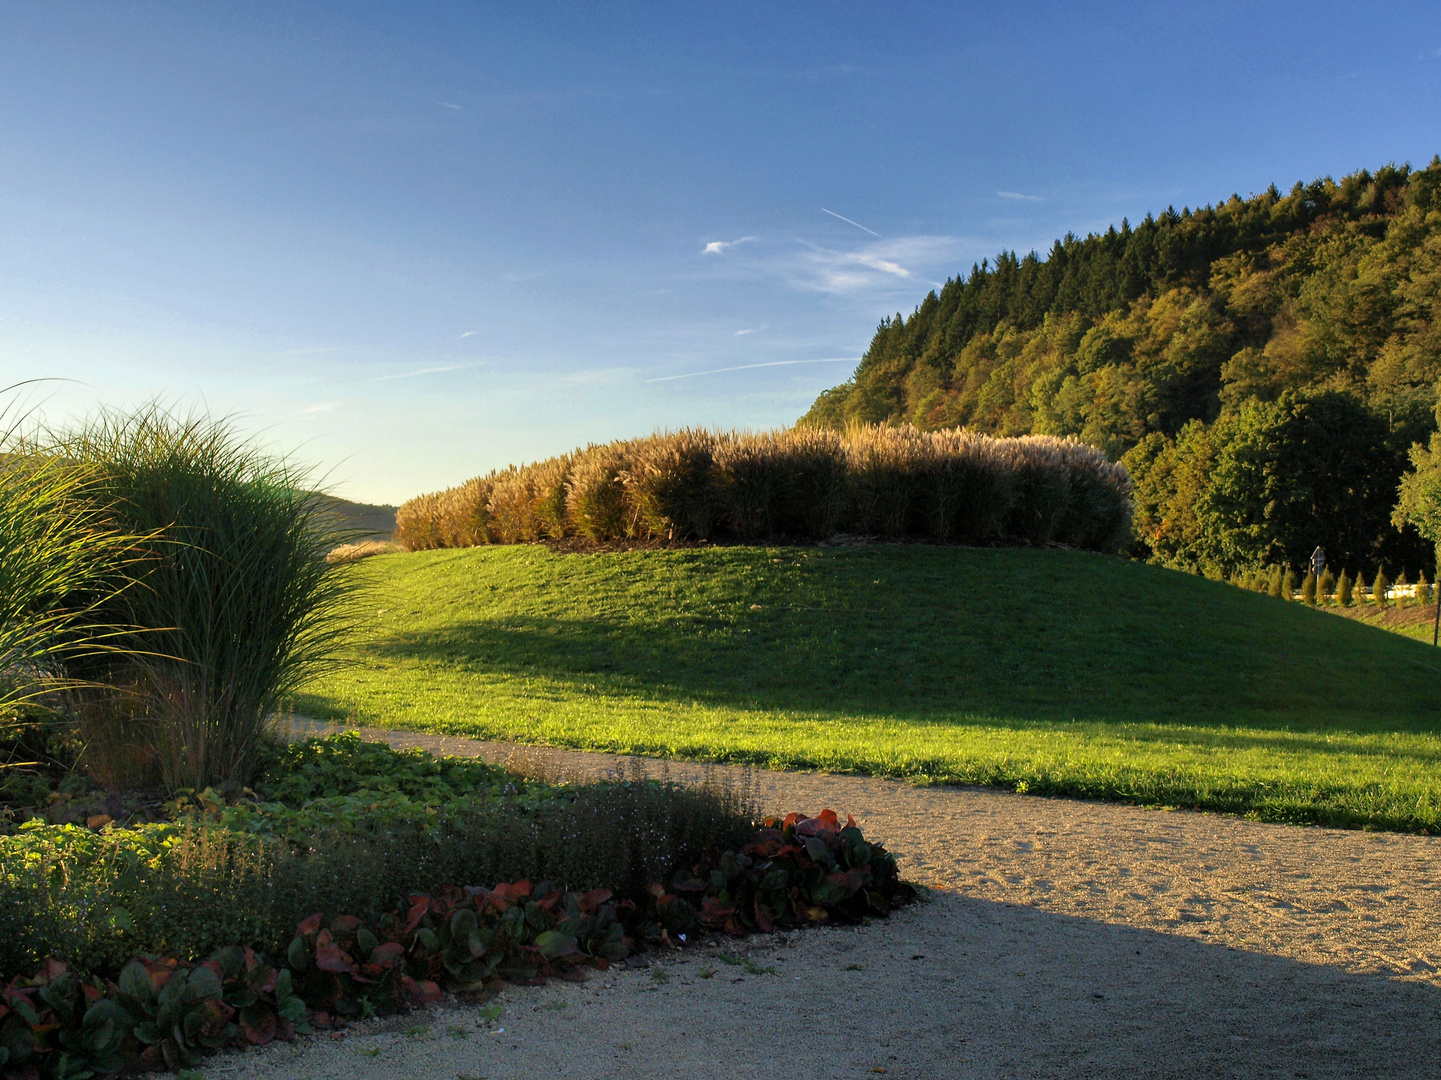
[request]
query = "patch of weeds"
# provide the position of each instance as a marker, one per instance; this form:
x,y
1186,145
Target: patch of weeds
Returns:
x,y
490,1012
854,967
753,968
660,975
705,973
415,1031
190,1074
727,958
555,1006
455,1031
372,1052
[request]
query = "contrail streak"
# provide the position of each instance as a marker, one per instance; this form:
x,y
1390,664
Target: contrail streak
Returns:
x,y
747,367
848,221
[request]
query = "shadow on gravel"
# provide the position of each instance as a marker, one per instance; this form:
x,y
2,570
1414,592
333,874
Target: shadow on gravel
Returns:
x,y
1004,990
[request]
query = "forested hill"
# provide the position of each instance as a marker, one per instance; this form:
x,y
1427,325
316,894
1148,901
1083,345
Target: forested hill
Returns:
x,y
1167,340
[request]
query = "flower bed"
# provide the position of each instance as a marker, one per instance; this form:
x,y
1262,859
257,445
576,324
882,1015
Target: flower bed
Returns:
x,y
162,1013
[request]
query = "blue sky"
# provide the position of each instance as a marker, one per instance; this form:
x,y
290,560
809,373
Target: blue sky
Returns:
x,y
410,243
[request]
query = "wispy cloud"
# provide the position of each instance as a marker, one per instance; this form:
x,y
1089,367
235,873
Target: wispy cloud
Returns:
x,y
1016,196
748,367
848,221
720,247
468,333
450,105
324,406
827,270
752,330
422,371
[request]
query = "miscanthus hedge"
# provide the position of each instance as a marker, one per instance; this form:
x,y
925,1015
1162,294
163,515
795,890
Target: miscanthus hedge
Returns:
x,y
946,486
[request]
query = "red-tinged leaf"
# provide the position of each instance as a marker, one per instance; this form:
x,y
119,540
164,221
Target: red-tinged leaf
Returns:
x,y
713,913
345,924
416,913
331,957
829,820
262,1032
160,970
515,891
92,995
320,1020
310,925
284,1029
655,889
851,822
792,821
593,899
419,992
387,955
574,974
764,923
213,965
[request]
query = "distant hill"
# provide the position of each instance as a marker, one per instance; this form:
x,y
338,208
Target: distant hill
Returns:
x,y
373,522
1171,342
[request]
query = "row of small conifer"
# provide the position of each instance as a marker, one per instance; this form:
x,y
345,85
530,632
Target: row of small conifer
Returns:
x,y
1344,590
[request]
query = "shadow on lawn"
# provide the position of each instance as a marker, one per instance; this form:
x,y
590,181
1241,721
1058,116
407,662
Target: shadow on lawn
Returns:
x,y
958,674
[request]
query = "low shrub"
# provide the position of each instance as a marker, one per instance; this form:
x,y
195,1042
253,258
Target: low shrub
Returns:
x,y
797,484
160,1012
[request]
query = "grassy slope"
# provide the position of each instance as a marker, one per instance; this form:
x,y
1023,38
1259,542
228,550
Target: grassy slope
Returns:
x,y
1050,671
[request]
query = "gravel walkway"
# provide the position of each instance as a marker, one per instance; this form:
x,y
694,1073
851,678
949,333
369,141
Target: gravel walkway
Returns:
x,y
1067,939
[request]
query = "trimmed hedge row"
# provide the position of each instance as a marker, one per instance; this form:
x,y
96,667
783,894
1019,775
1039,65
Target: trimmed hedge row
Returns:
x,y
947,486
162,1013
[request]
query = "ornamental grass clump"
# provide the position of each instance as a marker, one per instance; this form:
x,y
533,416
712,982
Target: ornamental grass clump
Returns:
x,y
233,604
801,484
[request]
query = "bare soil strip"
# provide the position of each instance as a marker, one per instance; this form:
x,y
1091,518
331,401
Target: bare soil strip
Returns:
x,y
1067,939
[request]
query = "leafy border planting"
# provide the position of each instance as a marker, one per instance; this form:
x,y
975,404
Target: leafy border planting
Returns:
x,y
162,1013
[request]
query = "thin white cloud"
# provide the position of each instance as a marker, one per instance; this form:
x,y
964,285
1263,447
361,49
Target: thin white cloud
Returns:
x,y
720,247
450,105
748,367
1018,197
743,333
324,406
468,333
848,221
422,371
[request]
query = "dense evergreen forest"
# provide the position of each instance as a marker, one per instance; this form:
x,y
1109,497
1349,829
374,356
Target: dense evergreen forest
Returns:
x,y
1261,366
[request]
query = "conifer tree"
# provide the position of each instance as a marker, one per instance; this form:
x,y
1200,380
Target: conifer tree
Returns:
x,y
1308,589
1402,600
1327,586
1379,584
1343,589
1423,589
1276,582
1288,584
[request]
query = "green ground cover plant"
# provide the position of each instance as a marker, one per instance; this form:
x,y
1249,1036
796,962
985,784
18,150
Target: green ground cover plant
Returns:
x,y
1049,671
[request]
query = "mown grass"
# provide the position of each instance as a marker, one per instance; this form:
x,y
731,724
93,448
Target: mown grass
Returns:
x,y
1050,671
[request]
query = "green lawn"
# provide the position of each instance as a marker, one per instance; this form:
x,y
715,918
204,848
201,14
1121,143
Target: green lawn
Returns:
x,y
1049,671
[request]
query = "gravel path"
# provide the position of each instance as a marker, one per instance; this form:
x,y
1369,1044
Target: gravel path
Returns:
x,y
1067,939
